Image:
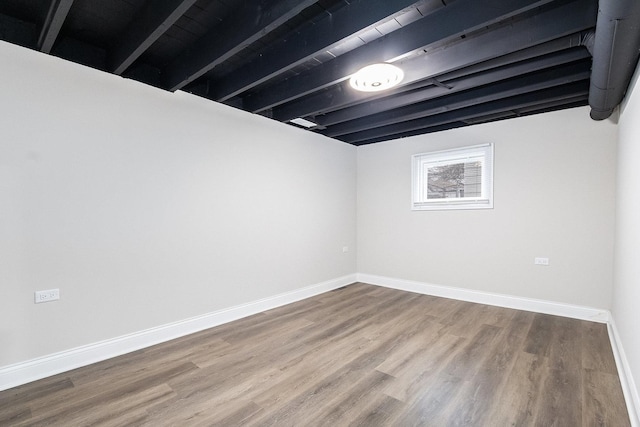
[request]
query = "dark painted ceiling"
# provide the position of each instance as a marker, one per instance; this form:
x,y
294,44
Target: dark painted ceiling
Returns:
x,y
465,61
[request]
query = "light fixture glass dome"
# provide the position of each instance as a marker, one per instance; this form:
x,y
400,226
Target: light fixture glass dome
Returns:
x,y
376,77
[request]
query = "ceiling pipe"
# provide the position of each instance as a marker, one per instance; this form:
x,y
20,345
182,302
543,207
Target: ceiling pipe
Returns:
x,y
615,54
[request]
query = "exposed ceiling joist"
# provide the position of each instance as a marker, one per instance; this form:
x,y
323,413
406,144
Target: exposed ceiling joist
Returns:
x,y
363,116
153,20
561,103
547,25
550,54
309,41
569,91
576,101
530,82
242,28
568,45
56,16
455,20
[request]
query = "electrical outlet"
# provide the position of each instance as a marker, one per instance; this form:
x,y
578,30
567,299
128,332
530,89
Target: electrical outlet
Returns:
x,y
46,296
345,249
541,261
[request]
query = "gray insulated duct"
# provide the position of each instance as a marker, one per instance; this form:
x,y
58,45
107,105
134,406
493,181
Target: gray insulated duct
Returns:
x,y
615,54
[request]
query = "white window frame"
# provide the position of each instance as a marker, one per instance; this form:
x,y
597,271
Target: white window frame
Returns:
x,y
421,162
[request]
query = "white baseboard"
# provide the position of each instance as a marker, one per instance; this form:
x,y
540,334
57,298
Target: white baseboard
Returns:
x,y
629,388
42,367
500,300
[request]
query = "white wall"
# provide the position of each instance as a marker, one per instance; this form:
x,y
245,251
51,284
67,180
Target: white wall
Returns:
x,y
626,285
146,207
553,197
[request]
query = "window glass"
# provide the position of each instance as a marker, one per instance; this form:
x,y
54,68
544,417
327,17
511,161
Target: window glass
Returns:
x,y
453,179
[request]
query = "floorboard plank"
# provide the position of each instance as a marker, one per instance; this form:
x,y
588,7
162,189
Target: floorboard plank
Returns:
x,y
515,402
562,402
477,396
381,411
596,351
601,405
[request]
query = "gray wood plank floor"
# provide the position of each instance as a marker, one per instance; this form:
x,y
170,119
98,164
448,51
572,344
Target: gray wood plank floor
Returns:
x,y
360,355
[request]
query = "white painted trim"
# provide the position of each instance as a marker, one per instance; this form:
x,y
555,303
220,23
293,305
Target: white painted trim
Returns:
x,y
629,388
500,300
42,367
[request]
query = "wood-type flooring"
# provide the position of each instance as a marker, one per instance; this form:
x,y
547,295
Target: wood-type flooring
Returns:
x,y
361,355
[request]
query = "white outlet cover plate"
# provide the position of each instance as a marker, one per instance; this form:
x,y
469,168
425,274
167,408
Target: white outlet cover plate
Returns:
x,y
46,296
541,261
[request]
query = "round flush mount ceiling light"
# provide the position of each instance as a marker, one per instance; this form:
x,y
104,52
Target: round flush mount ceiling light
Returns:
x,y
376,77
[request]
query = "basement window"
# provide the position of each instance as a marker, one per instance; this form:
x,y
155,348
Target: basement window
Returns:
x,y
453,179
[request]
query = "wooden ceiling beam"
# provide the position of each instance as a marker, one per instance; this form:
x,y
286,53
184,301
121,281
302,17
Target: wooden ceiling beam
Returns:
x,y
367,115
579,100
311,40
245,26
153,20
481,94
447,23
58,11
556,52
568,18
566,91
